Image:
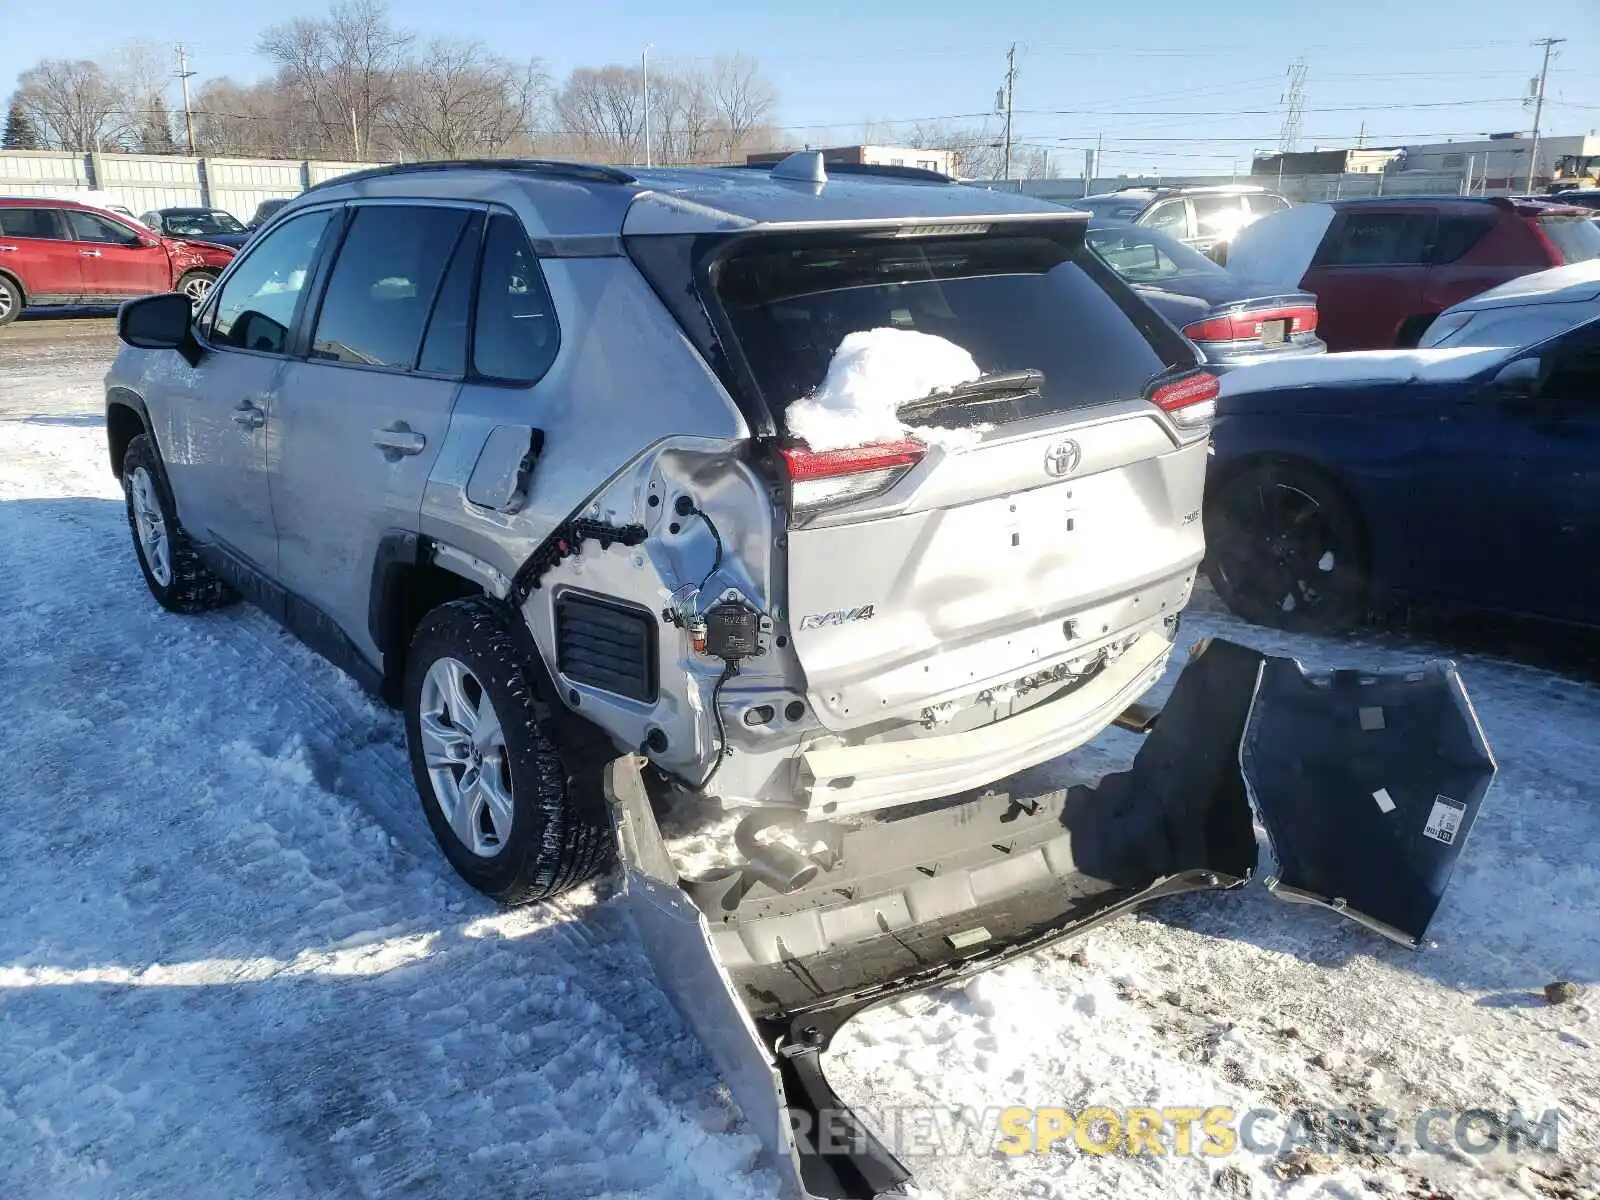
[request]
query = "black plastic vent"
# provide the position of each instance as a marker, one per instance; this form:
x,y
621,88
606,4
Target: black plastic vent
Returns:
x,y
606,644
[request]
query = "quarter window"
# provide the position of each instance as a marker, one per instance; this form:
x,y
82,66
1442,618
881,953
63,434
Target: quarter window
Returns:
x,y
256,305
515,336
1378,239
383,284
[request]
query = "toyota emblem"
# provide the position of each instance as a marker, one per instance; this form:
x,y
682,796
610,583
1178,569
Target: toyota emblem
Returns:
x,y
1062,458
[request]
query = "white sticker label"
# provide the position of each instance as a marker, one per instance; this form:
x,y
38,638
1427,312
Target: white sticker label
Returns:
x,y
1384,802
1444,820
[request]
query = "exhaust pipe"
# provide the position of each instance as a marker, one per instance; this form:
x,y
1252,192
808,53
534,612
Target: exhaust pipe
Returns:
x,y
780,868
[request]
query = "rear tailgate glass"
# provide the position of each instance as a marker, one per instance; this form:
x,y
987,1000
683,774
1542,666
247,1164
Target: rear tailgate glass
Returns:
x,y
1014,301
1577,239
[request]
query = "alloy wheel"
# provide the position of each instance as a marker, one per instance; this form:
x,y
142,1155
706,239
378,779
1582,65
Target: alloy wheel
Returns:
x,y
151,527
198,288
464,750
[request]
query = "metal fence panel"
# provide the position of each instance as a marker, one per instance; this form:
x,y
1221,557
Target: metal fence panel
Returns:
x,y
149,181
239,184
42,172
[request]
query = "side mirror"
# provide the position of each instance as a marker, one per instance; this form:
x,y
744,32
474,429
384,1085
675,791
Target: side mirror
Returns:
x,y
1518,379
149,239
159,322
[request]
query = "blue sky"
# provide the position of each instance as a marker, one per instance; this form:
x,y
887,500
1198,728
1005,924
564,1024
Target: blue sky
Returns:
x,y
1188,86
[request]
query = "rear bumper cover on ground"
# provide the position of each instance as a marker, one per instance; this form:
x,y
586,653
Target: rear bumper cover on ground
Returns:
x,y
1366,785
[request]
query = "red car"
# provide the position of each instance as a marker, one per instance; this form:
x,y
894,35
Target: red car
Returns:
x,y
1383,268
60,252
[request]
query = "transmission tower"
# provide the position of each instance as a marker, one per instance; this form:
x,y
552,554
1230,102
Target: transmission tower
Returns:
x,y
1294,102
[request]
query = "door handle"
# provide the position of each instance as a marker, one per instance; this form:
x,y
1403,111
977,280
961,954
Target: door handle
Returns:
x,y
398,439
89,253
8,249
249,416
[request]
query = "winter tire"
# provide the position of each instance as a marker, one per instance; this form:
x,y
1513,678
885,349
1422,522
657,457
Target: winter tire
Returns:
x,y
178,580
1285,549
197,286
10,301
507,811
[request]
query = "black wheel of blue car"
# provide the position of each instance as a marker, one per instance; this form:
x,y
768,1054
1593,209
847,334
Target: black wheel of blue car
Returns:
x,y
1285,549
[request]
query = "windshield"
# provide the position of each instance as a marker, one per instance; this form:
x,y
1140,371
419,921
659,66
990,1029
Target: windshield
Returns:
x,y
1577,238
1012,301
1142,256
199,224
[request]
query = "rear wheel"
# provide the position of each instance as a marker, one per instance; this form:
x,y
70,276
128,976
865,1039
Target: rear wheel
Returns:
x,y
514,819
1285,549
197,286
10,301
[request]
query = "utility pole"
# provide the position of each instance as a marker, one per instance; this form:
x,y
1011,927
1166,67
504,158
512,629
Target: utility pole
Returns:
x,y
184,74
644,76
1011,79
355,135
1549,44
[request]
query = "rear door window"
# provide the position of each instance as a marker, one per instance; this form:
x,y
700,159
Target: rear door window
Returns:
x,y
31,223
1377,239
1576,239
383,283
1012,301
1218,216
1171,217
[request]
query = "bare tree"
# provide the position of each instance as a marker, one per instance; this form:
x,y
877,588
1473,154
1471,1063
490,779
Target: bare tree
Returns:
x,y
343,67
257,120
73,102
601,112
744,100
458,100
975,151
140,71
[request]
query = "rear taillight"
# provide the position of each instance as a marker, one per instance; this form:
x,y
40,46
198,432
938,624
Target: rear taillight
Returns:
x,y
1189,400
1246,326
818,478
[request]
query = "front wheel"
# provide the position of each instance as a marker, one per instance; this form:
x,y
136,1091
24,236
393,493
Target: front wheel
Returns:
x,y
197,286
1286,550
178,579
505,810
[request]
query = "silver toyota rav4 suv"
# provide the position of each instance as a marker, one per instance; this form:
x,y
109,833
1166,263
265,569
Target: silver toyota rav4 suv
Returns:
x,y
497,437
518,445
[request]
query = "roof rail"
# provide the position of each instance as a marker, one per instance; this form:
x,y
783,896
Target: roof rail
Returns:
x,y
553,168
882,170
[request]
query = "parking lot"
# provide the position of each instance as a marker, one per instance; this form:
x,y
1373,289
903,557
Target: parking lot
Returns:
x,y
233,962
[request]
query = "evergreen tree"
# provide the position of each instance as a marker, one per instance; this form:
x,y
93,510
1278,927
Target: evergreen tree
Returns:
x,y
20,132
155,129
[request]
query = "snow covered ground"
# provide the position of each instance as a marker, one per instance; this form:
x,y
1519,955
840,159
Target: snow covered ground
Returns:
x,y
233,964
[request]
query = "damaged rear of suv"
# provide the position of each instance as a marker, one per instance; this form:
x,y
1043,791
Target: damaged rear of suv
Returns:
x,y
756,523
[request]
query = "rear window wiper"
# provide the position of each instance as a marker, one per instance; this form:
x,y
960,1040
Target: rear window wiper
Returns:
x,y
985,390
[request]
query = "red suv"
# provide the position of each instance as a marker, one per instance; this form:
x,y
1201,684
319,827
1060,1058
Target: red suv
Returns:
x,y
1383,268
59,252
